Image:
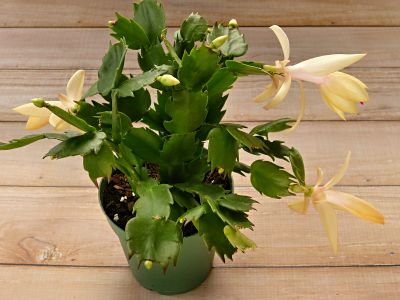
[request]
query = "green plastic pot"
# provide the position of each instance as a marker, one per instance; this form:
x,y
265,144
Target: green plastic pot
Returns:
x,y
193,266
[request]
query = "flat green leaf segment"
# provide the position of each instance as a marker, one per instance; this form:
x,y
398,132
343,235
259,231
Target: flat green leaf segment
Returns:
x,y
235,45
194,28
145,143
130,31
187,109
198,67
150,16
29,139
78,145
297,166
237,202
274,126
157,240
99,164
154,202
221,81
270,179
211,228
244,68
238,239
222,150
245,139
128,87
111,70
66,116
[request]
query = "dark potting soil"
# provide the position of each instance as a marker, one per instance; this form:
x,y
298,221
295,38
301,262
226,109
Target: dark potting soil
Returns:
x,y
118,200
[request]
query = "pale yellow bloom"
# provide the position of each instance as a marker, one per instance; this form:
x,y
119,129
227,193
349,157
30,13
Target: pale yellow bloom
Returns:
x,y
40,117
327,201
341,92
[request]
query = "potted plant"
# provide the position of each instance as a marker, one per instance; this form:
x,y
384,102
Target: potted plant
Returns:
x,y
165,170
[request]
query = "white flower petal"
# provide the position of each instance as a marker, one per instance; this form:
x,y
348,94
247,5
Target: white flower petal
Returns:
x,y
270,91
326,64
354,205
301,110
300,205
339,175
34,123
75,86
329,221
343,104
347,86
283,40
281,94
29,109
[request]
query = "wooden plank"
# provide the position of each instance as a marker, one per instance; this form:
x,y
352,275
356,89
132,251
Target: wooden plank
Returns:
x,y
45,13
18,87
65,226
21,283
323,144
66,48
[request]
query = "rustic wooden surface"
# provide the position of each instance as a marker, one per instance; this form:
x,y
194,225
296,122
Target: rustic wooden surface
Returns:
x,y
54,240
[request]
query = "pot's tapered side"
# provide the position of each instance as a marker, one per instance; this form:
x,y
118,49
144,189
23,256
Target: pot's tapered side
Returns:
x,y
193,266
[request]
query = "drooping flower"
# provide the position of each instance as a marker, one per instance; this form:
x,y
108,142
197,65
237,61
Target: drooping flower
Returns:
x,y
341,92
326,201
40,117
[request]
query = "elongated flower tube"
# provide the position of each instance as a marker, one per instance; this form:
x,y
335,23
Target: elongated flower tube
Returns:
x,y
326,201
40,117
341,92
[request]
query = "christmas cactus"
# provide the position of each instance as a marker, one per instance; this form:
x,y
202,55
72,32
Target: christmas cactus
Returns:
x,y
178,130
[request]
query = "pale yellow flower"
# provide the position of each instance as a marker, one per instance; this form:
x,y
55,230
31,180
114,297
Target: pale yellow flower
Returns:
x,y
341,92
40,117
327,201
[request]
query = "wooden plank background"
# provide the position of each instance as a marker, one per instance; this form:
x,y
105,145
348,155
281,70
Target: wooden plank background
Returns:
x,y
54,240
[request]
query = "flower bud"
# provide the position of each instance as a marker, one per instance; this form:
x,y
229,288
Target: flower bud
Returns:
x,y
181,220
233,23
221,171
111,23
168,80
219,41
39,102
148,264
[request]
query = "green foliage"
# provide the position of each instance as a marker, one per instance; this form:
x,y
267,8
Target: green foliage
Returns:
x,y
111,70
297,166
128,87
177,150
129,31
157,240
194,28
274,126
244,68
150,16
99,164
238,239
67,117
78,145
270,179
187,110
245,139
211,228
237,202
144,143
235,45
154,202
222,150
29,139
198,67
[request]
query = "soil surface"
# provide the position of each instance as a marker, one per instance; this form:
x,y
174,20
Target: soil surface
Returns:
x,y
118,200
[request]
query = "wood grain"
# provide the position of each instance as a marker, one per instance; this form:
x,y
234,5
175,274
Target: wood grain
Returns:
x,y
325,144
68,48
18,87
233,284
65,226
90,13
